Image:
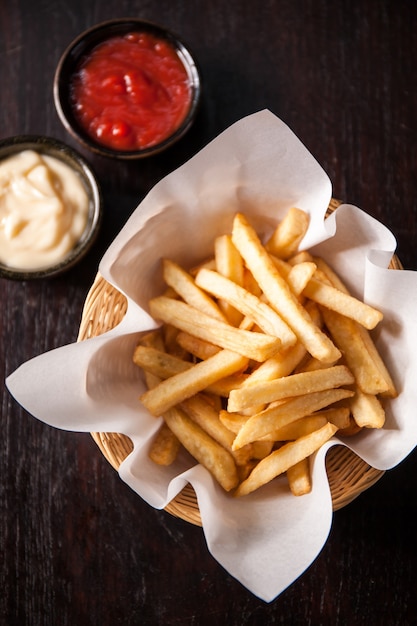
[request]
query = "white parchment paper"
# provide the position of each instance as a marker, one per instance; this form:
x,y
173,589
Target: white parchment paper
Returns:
x,y
259,167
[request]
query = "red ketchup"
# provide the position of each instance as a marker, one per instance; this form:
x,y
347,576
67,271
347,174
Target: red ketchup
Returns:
x,y
131,92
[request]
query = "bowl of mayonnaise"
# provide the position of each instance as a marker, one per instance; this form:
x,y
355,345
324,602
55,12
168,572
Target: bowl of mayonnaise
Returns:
x,y
50,207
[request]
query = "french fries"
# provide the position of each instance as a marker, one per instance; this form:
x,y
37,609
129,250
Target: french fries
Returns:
x,y
262,356
288,234
299,478
263,425
369,377
289,386
203,448
229,263
278,292
184,285
254,345
285,457
187,383
165,446
337,300
248,304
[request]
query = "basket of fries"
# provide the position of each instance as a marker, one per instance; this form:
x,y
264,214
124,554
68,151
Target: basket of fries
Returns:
x,y
348,474
241,375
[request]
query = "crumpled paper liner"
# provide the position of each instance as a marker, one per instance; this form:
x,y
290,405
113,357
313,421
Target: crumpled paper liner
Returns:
x,y
257,166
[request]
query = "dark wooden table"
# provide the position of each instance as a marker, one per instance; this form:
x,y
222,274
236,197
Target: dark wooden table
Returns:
x,y
78,547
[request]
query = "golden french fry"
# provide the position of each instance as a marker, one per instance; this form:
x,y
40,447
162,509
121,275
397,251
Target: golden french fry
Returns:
x,y
262,424
300,275
232,421
248,304
247,324
289,386
289,233
367,410
277,366
229,263
250,284
310,364
165,446
158,362
297,274
257,346
151,380
224,386
161,365
282,266
195,346
288,455
184,285
379,364
339,416
346,334
170,342
301,257
203,414
279,293
299,428
242,457
367,340
351,429
183,385
153,339
207,417
261,449
345,304
216,459
213,399
332,276
244,469
299,477
210,264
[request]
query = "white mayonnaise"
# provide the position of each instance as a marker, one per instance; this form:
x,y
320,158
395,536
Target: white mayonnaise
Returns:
x,y
43,210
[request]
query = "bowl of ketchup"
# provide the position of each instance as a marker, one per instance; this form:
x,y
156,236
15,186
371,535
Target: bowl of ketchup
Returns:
x,y
127,88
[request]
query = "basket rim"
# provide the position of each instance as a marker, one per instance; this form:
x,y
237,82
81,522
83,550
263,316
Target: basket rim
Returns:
x,y
348,474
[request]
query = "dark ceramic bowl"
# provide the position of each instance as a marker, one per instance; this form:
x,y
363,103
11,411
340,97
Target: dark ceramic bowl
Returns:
x,y
82,46
54,148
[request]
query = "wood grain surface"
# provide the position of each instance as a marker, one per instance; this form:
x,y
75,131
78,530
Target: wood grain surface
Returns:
x,y
77,546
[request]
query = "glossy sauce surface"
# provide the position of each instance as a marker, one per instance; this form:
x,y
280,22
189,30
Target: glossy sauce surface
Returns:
x,y
43,210
131,92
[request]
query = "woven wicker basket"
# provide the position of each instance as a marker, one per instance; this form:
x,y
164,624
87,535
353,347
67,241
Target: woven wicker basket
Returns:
x,y
105,307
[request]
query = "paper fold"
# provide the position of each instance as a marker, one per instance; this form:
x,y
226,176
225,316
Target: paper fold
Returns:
x,y
257,166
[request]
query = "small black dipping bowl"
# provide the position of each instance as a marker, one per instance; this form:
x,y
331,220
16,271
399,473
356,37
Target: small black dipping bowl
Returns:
x,y
59,150
83,45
